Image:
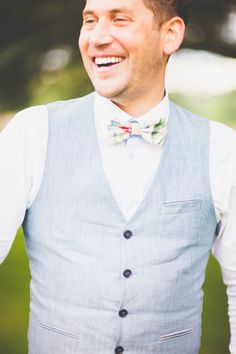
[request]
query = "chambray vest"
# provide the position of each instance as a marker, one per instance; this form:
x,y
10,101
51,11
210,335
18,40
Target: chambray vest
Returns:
x,y
80,245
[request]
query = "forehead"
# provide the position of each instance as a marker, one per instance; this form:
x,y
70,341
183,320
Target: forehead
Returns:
x,y
111,5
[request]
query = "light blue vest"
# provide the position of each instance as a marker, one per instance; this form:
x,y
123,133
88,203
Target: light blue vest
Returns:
x,y
100,284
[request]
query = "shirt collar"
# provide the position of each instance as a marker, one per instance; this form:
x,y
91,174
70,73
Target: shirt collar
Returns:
x,y
105,111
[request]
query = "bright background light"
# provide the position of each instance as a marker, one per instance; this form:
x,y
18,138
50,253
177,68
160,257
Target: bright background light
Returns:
x,y
200,73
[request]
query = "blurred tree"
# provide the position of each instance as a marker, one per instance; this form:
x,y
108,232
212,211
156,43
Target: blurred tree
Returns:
x,y
31,27
27,30
210,26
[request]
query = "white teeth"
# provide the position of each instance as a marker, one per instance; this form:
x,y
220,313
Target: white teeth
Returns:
x,y
108,60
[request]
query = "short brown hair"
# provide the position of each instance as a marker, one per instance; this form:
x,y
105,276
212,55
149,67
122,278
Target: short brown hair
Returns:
x,y
165,9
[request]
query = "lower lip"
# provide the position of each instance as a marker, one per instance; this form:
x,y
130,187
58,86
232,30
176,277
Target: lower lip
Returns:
x,y
104,69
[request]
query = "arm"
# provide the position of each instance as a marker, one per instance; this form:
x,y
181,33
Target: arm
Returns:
x,y
21,161
223,177
225,252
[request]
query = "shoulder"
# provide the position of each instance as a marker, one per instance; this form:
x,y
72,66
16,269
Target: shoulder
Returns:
x,y
184,114
223,144
82,104
221,133
194,128
69,115
27,117
222,136
29,121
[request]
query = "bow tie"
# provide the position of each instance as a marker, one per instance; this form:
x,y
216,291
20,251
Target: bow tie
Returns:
x,y
153,133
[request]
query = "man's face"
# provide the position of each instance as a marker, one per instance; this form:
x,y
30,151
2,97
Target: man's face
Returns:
x,y
122,49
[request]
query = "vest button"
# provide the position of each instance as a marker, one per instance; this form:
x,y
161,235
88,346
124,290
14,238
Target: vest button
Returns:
x,y
127,273
127,234
123,313
119,350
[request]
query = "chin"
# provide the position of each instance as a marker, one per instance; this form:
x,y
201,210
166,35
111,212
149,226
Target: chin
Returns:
x,y
110,88
110,94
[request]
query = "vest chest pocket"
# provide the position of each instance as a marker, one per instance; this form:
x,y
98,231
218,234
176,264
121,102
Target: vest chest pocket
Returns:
x,y
179,207
183,220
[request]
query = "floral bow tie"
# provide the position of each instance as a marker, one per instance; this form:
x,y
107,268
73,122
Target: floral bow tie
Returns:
x,y
153,133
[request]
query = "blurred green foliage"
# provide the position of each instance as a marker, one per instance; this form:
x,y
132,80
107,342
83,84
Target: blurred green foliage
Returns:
x,y
14,300
218,108
63,84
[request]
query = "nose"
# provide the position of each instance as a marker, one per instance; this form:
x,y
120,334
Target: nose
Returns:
x,y
101,34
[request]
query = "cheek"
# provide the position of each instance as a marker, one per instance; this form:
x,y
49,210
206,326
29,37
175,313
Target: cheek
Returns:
x,y
82,43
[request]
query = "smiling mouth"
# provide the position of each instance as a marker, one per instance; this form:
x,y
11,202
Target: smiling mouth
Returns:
x,y
107,61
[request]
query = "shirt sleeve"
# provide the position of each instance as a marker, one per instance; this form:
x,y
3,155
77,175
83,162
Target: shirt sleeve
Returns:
x,y
224,195
22,154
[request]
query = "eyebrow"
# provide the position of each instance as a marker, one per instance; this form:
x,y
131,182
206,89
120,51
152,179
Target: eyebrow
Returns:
x,y
113,11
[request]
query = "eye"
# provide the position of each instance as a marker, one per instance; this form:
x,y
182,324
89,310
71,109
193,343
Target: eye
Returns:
x,y
121,19
89,21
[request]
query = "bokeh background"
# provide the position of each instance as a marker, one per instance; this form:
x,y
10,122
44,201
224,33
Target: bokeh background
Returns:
x,y
40,63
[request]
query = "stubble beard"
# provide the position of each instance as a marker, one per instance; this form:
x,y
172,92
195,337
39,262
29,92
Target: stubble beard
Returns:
x,y
116,93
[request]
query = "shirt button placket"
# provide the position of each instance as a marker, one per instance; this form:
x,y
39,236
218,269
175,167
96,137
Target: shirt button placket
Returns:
x,y
127,274
127,235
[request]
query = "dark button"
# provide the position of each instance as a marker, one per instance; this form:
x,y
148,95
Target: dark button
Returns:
x,y
123,313
119,350
128,234
127,273
218,226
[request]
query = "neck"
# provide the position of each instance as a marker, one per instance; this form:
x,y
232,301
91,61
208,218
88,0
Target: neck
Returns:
x,y
138,107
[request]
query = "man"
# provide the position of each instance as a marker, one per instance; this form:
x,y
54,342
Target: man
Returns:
x,y
122,195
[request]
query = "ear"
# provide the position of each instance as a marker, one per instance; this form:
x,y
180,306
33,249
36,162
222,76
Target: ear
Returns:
x,y
174,30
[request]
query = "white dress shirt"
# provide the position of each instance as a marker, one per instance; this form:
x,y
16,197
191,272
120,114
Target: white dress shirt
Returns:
x,y
129,167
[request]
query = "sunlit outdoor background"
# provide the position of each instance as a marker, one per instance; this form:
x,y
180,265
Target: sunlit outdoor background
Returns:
x,y
40,63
